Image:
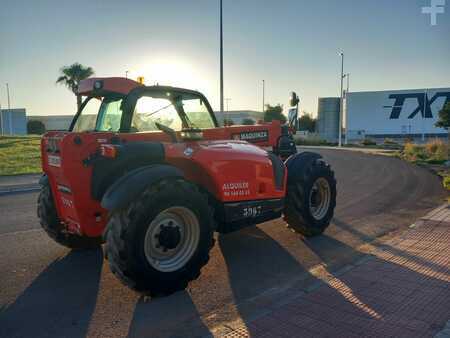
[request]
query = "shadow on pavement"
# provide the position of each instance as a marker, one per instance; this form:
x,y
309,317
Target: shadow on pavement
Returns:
x,y
160,317
60,300
255,263
401,295
246,281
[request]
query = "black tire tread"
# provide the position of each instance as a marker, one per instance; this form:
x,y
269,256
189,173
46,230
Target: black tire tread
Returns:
x,y
296,213
52,225
116,245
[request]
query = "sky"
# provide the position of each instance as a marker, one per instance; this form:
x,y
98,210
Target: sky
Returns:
x,y
292,44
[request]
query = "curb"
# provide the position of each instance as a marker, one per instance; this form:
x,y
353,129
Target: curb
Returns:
x,y
23,188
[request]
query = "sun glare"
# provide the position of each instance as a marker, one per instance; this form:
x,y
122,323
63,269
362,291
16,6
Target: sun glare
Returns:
x,y
172,73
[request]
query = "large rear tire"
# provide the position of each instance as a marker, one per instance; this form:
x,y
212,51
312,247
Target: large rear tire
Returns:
x,y
160,242
53,226
311,195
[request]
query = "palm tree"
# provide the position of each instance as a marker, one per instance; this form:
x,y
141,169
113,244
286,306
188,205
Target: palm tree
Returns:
x,y
71,77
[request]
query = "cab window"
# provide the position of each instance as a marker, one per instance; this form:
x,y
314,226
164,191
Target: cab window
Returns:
x,y
197,113
86,120
150,110
109,115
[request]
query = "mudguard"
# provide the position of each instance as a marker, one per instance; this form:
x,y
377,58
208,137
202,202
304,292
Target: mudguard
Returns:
x,y
128,187
131,155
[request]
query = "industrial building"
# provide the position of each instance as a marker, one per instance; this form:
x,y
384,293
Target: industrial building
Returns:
x,y
396,114
53,122
13,121
238,116
327,125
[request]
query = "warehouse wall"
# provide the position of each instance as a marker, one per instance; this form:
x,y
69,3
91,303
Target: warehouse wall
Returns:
x,y
395,113
53,122
14,122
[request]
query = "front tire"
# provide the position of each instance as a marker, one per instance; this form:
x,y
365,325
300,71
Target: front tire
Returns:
x,y
311,196
55,229
160,242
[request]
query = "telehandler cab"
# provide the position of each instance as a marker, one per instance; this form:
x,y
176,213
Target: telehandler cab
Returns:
x,y
149,171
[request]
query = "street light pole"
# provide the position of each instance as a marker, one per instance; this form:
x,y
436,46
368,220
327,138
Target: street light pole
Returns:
x,y
425,105
221,58
348,81
226,114
1,118
9,110
264,93
341,103
346,107
227,100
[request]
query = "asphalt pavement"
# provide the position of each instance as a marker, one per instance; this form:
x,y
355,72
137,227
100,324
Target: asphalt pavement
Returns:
x,y
48,290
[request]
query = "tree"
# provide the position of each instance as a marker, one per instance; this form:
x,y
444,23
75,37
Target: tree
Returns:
x,y
307,122
35,127
228,122
71,77
444,122
248,121
274,113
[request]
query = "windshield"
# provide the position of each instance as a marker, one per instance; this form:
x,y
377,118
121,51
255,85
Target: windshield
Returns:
x,y
179,112
174,110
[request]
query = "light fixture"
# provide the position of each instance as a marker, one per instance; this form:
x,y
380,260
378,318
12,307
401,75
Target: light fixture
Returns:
x,y
98,84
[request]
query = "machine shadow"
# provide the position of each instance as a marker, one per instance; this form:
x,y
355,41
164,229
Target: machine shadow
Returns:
x,y
380,292
61,296
256,263
158,318
265,264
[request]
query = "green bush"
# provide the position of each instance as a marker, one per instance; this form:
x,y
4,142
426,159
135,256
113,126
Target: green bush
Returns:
x,y
368,142
433,152
414,152
437,150
35,127
389,141
311,140
446,182
228,122
248,121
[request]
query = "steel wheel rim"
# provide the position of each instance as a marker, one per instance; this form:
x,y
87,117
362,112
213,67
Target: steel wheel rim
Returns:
x,y
168,260
319,198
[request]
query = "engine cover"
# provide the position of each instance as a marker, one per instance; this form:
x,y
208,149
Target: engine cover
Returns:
x,y
231,170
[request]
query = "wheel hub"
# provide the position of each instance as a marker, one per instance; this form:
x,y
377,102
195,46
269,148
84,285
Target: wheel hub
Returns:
x,y
314,197
319,198
171,239
169,236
